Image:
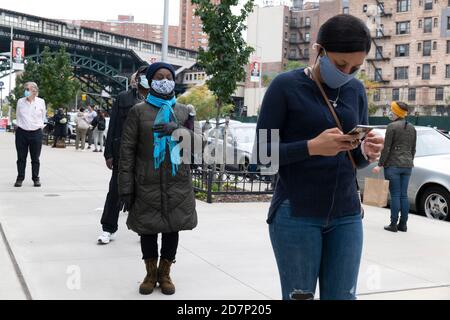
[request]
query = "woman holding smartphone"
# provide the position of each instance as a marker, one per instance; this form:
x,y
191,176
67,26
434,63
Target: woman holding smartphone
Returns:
x,y
315,220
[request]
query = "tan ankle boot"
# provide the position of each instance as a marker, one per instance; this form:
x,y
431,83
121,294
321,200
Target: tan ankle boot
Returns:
x,y
149,282
166,284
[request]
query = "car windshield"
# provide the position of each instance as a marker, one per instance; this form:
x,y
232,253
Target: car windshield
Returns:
x,y
244,135
431,142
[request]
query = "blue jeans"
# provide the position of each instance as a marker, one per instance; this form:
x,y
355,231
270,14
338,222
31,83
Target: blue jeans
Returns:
x,y
307,249
398,188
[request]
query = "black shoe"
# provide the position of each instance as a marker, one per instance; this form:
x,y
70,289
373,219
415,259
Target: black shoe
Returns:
x,y
18,183
402,227
392,227
37,183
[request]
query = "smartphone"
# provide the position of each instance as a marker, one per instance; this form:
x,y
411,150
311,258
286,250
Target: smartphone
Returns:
x,y
361,130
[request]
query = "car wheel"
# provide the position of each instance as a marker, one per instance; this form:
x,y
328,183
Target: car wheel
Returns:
x,y
435,202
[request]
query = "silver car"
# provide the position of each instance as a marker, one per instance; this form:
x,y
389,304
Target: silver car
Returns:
x,y
241,138
429,187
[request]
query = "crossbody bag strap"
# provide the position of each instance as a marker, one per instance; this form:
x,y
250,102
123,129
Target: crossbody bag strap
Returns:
x,y
338,123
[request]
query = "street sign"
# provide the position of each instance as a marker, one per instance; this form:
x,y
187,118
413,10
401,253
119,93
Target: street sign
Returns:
x,y
2,84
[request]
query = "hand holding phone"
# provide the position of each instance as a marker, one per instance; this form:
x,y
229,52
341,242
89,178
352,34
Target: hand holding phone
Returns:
x,y
361,131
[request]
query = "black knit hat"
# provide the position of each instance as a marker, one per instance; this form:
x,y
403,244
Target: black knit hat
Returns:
x,y
154,67
344,33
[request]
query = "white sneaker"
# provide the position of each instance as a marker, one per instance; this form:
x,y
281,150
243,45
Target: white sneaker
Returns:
x,y
106,237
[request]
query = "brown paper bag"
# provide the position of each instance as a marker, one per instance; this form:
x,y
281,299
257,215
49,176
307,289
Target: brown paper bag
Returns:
x,y
376,192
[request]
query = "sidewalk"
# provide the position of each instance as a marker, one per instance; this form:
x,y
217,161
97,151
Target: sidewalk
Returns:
x,y
52,232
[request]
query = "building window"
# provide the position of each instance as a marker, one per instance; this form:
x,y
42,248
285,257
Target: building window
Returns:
x,y
439,96
420,24
426,71
419,46
365,8
433,70
401,73
447,71
418,71
379,52
403,27
378,74
306,53
434,45
396,94
436,22
286,19
52,26
428,25
448,23
103,37
346,10
428,4
377,95
307,21
88,33
448,46
427,48
402,50
412,94
307,37
403,5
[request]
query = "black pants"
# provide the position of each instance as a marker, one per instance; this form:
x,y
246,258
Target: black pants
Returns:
x,y
28,141
149,246
110,215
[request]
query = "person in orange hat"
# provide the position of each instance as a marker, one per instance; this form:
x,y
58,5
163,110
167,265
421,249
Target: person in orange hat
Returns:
x,y
397,159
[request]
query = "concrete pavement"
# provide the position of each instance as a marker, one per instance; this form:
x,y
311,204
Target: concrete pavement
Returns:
x,y
52,234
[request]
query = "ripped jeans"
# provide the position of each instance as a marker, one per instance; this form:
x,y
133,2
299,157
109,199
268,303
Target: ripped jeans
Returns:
x,y
307,250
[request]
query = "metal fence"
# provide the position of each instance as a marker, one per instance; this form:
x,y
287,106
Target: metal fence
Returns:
x,y
235,183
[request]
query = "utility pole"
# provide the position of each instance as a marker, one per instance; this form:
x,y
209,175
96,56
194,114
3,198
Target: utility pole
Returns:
x,y
165,43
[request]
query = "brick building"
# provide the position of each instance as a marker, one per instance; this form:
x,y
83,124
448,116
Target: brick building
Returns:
x,y
410,57
126,26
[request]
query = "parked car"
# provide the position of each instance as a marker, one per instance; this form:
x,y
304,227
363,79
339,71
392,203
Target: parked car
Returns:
x,y
240,141
429,188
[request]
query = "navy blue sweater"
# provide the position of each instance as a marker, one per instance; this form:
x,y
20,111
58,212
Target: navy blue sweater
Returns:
x,y
316,186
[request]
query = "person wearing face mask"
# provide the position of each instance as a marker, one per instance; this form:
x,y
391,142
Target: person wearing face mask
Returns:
x,y
121,106
315,218
155,187
60,130
31,114
397,159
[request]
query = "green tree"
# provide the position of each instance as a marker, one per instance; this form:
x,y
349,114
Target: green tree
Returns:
x,y
227,53
204,102
54,76
370,86
292,65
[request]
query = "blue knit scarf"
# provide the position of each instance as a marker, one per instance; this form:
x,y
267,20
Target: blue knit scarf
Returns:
x,y
159,146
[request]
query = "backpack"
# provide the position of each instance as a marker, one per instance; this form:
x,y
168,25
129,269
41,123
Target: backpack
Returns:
x,y
101,126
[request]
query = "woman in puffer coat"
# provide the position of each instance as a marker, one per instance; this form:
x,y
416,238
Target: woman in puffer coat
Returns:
x,y
154,187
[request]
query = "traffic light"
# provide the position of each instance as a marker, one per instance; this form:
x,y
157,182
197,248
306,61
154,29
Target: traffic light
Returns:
x,y
83,97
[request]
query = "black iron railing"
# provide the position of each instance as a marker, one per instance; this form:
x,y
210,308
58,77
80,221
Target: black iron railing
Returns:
x,y
211,182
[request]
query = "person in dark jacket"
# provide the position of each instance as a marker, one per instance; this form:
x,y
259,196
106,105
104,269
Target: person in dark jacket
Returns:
x,y
397,159
124,102
98,126
154,186
315,220
60,129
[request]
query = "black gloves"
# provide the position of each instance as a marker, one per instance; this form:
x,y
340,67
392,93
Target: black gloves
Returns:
x,y
125,202
165,129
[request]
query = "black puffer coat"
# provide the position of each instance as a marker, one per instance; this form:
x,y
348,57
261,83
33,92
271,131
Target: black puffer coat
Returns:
x,y
162,203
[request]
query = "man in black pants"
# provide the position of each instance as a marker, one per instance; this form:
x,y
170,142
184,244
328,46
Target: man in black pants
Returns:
x,y
30,114
124,102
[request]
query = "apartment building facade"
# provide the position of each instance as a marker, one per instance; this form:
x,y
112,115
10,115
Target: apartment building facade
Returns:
x,y
410,56
126,26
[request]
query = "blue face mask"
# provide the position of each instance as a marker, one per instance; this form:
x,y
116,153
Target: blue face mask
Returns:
x,y
331,75
164,86
27,93
144,82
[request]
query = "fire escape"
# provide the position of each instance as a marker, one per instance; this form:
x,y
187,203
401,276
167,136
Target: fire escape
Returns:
x,y
299,41
380,36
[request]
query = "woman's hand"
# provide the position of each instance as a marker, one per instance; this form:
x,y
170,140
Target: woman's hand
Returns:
x,y
330,142
376,170
373,146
